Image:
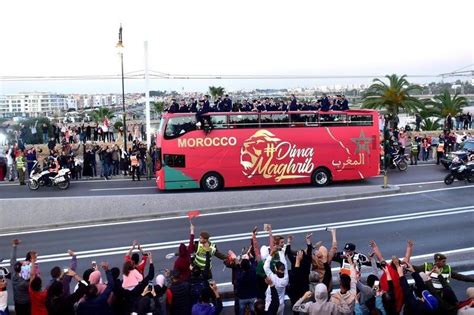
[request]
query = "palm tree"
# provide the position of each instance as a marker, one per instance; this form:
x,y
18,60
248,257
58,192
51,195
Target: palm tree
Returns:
x,y
443,104
392,97
99,114
158,107
429,124
216,91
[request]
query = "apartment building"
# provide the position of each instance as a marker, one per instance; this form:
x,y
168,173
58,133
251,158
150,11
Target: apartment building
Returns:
x,y
34,104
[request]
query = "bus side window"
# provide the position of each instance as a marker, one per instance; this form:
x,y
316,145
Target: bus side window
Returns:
x,y
219,121
280,120
360,120
244,121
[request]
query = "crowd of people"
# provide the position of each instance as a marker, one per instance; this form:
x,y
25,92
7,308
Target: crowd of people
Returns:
x,y
424,147
225,104
85,160
262,278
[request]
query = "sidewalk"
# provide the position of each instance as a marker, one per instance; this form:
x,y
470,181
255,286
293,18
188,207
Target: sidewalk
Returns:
x,y
36,213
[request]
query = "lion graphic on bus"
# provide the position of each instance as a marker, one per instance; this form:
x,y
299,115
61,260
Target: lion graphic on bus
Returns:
x,y
253,148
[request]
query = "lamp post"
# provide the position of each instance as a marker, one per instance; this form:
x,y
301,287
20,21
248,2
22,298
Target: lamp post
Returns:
x,y
120,47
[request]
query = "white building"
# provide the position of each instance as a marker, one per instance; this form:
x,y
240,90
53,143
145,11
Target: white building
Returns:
x,y
34,104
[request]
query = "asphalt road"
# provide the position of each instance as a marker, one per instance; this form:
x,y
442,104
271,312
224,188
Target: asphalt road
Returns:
x,y
425,173
438,220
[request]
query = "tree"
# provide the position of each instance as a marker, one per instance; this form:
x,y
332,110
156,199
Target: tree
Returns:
x,y
392,97
443,104
216,91
157,107
99,114
428,124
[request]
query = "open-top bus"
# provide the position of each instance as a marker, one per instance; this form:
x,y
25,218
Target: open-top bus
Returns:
x,y
220,150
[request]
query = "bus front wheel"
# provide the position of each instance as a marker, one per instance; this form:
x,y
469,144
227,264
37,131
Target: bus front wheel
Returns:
x,y
212,182
321,177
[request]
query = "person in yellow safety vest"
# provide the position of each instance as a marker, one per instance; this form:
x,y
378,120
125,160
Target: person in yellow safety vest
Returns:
x,y
444,269
204,246
21,167
135,164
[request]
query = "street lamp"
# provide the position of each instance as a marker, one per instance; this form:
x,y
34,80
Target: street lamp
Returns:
x,y
120,48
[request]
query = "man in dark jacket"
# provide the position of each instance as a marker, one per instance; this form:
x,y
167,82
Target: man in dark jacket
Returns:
x,y
179,301
20,286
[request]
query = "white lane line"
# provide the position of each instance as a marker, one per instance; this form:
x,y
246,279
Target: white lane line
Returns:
x,y
304,204
121,188
242,236
420,183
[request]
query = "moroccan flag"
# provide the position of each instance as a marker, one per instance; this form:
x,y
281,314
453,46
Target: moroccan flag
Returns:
x,y
192,214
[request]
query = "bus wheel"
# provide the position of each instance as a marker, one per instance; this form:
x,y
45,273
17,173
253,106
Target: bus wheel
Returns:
x,y
212,182
321,177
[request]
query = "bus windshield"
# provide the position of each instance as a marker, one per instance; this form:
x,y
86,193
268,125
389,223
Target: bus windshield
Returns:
x,y
180,125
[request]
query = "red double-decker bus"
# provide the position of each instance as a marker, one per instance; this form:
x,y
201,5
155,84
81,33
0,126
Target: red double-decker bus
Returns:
x,y
269,148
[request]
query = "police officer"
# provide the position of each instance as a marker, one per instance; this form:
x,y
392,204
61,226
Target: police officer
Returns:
x,y
439,266
203,246
349,251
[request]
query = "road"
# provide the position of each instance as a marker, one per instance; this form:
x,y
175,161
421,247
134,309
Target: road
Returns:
x,y
438,220
426,173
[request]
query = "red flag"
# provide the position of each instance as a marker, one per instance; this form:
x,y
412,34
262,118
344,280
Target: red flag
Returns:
x,y
194,213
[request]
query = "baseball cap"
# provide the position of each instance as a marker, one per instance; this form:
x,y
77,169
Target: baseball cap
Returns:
x,y
430,301
349,246
439,256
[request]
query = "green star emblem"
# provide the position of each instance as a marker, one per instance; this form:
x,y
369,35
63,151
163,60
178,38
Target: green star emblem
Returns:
x,y
362,143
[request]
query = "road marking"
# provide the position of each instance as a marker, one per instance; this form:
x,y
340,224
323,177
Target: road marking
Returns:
x,y
420,183
122,188
242,236
304,204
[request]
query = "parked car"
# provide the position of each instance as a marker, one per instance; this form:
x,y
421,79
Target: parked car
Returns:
x,y
467,147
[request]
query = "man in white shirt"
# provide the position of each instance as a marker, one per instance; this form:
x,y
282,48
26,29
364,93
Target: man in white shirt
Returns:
x,y
279,277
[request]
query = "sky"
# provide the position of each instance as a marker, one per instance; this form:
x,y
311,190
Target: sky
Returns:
x,y
73,38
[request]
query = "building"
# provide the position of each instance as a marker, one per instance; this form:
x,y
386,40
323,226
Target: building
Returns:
x,y
34,104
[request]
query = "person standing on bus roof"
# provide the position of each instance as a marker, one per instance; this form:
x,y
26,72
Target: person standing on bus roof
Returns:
x,y
183,107
325,104
193,107
345,103
174,108
293,103
227,104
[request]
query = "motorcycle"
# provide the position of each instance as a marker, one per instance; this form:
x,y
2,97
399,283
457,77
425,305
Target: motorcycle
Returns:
x,y
41,177
459,170
400,161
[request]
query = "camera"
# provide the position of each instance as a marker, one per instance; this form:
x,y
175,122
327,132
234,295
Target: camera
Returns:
x,y
150,285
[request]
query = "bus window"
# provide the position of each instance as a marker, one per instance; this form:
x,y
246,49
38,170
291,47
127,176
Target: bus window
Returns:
x,y
178,126
333,120
304,120
174,160
280,120
243,121
219,121
360,120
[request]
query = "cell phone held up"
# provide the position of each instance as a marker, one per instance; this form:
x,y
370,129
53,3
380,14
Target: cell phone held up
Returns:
x,y
150,285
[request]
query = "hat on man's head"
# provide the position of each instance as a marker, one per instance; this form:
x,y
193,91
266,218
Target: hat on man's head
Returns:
x,y
439,256
350,246
431,302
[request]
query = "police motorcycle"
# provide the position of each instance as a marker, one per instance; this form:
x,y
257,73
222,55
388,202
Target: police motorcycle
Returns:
x,y
42,177
398,160
460,170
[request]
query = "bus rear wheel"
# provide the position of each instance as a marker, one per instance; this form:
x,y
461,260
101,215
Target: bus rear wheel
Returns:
x,y
321,177
212,182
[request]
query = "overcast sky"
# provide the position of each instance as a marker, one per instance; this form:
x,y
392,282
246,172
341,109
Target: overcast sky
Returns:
x,y
60,37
